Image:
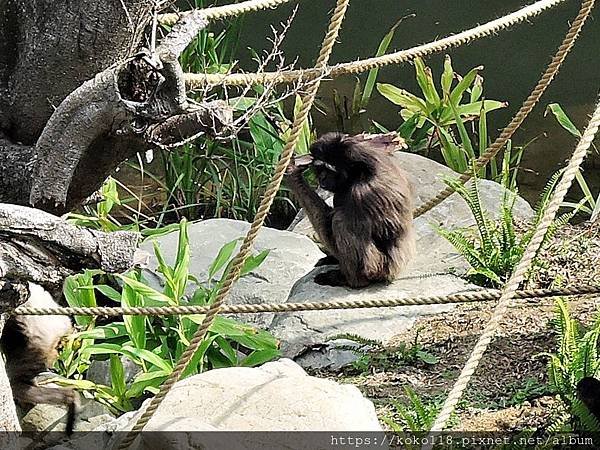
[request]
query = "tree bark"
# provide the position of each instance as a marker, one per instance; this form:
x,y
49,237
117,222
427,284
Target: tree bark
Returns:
x,y
77,97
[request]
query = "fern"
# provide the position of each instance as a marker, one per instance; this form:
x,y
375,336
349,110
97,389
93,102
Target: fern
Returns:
x,y
576,357
491,248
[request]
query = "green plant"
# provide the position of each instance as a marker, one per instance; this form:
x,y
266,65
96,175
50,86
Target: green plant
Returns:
x,y
493,247
373,353
576,357
99,217
349,114
443,121
413,414
589,204
155,344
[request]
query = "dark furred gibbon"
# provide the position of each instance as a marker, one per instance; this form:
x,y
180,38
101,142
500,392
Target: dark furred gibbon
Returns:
x,y
369,230
588,391
30,346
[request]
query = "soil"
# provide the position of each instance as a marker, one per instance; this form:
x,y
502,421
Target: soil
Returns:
x,y
510,390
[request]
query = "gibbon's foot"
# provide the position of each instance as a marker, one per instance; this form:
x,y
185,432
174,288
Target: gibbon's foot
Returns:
x,y
328,260
331,278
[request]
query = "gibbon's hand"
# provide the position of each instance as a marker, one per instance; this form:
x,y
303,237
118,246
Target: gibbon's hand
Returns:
x,y
298,164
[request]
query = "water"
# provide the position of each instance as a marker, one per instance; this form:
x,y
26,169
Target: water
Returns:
x,y
513,61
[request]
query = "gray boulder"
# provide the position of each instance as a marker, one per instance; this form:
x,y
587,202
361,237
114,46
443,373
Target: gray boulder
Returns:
x,y
304,335
291,256
278,396
434,253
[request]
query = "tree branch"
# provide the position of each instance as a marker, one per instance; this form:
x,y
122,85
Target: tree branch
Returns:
x,y
42,248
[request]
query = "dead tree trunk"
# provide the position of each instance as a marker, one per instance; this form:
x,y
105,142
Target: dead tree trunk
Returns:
x,y
79,94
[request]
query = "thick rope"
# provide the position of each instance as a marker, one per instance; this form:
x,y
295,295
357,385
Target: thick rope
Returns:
x,y
526,108
519,274
466,297
245,249
194,80
222,12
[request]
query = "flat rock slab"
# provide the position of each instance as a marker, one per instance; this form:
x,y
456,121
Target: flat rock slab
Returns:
x,y
304,335
290,257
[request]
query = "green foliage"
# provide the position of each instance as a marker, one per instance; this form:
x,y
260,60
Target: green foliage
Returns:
x,y
589,204
373,353
413,414
494,247
210,51
210,178
99,217
349,114
576,357
155,343
454,121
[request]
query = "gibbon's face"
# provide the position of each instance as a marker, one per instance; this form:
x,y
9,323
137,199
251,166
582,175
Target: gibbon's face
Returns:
x,y
330,178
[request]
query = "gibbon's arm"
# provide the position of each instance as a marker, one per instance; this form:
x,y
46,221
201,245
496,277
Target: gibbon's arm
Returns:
x,y
319,213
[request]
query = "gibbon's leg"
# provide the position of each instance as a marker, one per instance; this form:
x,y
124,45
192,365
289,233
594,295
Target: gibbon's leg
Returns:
x,y
361,263
319,213
31,394
328,260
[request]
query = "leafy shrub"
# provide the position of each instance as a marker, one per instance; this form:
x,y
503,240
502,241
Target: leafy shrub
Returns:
x,y
443,121
156,343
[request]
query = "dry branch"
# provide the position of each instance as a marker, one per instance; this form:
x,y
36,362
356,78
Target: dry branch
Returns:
x,y
39,247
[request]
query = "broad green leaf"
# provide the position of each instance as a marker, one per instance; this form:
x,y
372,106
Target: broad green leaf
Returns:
x,y
147,356
135,325
222,258
463,85
146,291
427,85
401,97
252,262
108,291
373,73
473,109
447,76
563,119
144,379
117,375
259,357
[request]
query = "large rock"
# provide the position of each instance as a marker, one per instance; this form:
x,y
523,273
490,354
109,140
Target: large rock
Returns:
x,y
434,253
303,334
279,396
291,256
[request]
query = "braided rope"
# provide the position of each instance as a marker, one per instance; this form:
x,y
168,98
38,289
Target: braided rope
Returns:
x,y
467,297
194,80
519,274
222,12
245,249
526,108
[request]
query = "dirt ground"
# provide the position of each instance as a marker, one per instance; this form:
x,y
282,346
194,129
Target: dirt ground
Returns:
x,y
509,390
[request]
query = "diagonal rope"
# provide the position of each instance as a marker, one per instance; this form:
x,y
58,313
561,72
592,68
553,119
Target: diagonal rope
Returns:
x,y
519,274
245,249
224,11
465,297
194,80
526,108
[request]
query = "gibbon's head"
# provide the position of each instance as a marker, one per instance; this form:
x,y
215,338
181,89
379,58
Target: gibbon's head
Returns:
x,y
44,332
340,162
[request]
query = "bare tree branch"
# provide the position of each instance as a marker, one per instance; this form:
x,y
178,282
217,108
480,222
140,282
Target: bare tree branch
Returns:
x,y
42,248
